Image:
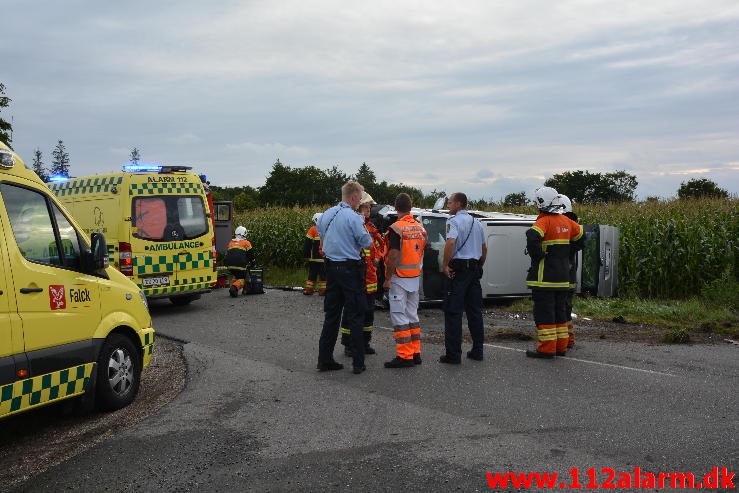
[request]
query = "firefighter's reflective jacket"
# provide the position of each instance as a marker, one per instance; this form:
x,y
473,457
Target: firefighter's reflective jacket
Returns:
x,y
549,242
312,245
372,256
239,254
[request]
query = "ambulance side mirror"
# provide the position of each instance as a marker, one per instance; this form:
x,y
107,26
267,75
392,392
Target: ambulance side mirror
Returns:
x,y
98,255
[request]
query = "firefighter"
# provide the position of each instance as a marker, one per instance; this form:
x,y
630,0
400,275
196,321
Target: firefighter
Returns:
x,y
372,257
314,255
239,257
566,205
548,243
406,242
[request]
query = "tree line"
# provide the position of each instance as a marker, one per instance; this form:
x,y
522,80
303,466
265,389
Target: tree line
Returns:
x,y
309,185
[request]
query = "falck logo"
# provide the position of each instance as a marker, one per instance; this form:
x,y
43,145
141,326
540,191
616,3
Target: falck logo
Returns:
x,y
57,297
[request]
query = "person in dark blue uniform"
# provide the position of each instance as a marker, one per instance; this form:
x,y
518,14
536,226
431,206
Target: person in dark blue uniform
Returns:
x,y
464,255
343,237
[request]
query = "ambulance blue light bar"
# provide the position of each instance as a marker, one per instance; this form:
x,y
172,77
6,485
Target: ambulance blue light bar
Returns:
x,y
58,178
153,168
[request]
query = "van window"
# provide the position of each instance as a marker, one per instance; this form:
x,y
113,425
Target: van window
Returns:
x,y
169,217
34,231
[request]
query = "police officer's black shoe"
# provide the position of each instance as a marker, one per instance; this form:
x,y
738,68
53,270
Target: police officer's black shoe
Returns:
x,y
417,359
359,369
369,350
474,356
347,351
446,359
233,291
537,354
398,362
332,366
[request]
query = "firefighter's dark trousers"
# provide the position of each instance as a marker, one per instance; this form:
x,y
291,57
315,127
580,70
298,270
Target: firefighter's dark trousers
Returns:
x,y
345,291
316,277
550,308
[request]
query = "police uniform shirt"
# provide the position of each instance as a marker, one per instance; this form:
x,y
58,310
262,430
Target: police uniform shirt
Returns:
x,y
469,234
343,233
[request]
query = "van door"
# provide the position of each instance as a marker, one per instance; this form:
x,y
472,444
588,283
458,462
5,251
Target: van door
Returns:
x,y
7,307
58,306
171,244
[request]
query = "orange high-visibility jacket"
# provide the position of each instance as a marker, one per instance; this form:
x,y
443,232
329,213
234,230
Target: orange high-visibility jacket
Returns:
x,y
238,254
548,243
412,242
312,245
375,251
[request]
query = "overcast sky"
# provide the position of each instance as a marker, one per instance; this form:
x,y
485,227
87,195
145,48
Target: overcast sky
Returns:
x,y
485,97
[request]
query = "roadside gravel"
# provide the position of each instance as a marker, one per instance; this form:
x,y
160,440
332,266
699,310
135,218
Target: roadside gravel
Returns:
x,y
35,441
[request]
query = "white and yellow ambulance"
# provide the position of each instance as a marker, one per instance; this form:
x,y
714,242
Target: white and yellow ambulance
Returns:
x,y
70,325
157,223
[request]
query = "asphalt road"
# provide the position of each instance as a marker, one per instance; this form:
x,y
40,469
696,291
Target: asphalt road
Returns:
x,y
256,416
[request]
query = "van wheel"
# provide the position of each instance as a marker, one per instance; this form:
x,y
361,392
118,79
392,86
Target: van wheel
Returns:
x,y
184,300
118,373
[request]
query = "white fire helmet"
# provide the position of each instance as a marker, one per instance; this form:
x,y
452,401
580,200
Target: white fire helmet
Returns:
x,y
564,202
545,199
241,232
316,217
366,199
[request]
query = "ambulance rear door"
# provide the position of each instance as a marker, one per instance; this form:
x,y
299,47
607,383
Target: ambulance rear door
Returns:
x,y
171,238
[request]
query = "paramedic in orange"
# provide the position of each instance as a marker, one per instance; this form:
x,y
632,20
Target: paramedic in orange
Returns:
x,y
239,256
406,242
549,242
372,257
314,255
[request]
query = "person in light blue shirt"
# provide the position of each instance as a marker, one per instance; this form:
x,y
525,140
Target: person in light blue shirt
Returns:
x,y
464,255
343,236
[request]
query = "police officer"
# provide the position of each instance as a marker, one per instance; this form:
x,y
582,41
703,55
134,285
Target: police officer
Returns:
x,y
344,236
464,255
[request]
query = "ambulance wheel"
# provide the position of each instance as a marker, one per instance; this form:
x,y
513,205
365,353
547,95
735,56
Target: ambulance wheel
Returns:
x,y
118,373
183,300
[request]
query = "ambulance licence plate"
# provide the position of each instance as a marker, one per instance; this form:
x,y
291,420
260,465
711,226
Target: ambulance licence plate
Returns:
x,y
155,282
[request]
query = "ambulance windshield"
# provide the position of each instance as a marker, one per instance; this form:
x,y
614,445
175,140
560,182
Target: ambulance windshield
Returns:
x,y
169,217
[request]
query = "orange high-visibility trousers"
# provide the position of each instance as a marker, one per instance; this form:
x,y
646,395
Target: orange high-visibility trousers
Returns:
x,y
547,336
308,289
403,341
416,338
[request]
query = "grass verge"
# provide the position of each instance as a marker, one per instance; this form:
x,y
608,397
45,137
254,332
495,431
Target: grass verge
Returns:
x,y
693,314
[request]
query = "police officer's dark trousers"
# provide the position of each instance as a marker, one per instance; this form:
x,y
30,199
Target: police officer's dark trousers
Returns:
x,y
344,291
463,295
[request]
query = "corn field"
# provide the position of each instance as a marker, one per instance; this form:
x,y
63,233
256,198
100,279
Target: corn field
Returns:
x,y
667,249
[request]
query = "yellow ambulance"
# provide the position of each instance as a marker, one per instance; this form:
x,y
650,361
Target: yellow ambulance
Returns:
x,y
157,223
70,325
